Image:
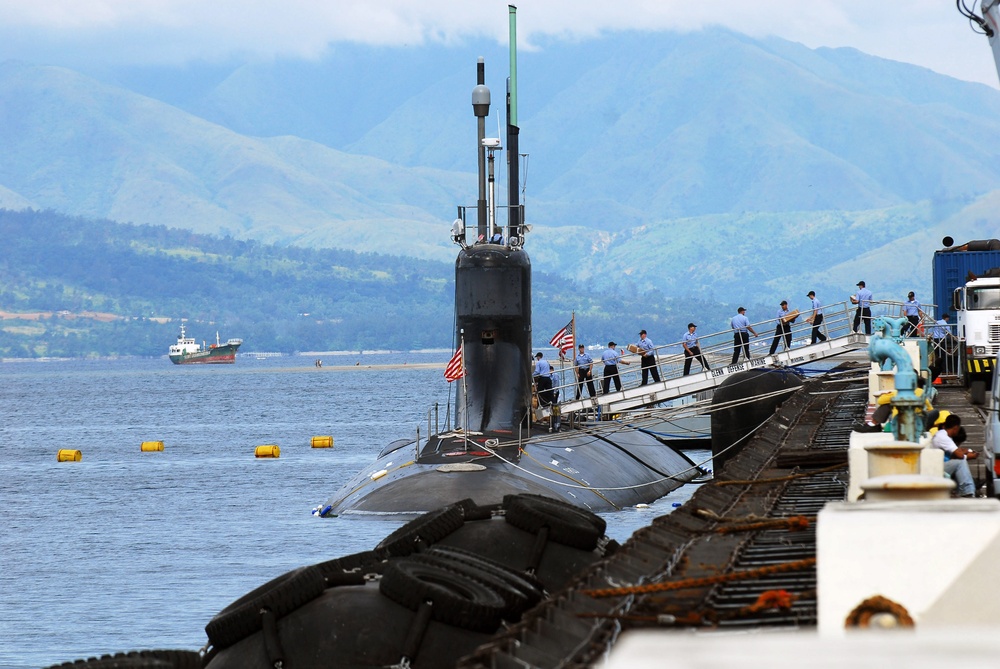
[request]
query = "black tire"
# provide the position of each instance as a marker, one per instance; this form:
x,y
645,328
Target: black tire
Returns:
x,y
977,392
139,659
428,529
473,511
519,590
281,595
351,569
457,599
568,525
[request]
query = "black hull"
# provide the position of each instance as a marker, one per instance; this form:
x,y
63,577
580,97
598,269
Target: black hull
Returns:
x,y
603,469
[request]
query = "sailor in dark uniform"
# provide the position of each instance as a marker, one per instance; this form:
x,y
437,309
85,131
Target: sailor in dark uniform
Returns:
x,y
543,380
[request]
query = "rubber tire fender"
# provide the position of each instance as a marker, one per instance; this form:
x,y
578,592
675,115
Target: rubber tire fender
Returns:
x,y
429,528
568,525
519,590
281,595
351,569
139,659
457,600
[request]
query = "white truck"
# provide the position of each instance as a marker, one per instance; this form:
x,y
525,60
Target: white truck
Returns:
x,y
967,282
989,24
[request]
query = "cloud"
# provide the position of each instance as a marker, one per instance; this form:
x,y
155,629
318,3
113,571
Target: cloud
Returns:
x,y
930,33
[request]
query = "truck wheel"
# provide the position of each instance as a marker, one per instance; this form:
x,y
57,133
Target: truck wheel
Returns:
x,y
977,392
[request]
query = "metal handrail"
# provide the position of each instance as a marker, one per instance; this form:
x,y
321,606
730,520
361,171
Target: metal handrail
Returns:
x,y
717,347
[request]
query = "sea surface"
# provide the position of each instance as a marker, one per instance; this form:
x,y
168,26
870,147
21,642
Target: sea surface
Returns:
x,y
127,550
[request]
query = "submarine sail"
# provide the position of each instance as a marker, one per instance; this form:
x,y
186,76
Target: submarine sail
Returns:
x,y
493,448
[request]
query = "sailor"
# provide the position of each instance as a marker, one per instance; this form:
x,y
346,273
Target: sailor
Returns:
x,y
741,334
784,329
863,299
584,372
816,318
645,349
912,311
543,380
691,350
942,328
611,357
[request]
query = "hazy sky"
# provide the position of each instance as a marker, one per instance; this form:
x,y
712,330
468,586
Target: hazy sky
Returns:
x,y
930,33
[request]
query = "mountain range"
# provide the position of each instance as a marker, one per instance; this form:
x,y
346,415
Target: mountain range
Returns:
x,y
707,165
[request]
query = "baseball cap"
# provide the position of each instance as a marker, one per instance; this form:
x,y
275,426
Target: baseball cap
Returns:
x,y
692,325
861,283
642,332
811,293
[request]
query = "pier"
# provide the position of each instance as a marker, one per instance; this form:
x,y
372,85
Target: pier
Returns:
x,y
712,564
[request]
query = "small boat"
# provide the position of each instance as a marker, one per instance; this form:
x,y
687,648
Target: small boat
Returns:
x,y
188,352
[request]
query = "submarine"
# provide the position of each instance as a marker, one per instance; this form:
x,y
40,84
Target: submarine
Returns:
x,y
502,439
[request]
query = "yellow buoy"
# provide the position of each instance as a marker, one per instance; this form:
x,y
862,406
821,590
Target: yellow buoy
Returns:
x,y
267,451
150,446
322,442
68,455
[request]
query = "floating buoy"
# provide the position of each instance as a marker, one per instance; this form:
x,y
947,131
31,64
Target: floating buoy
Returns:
x,y
267,451
68,455
322,442
151,446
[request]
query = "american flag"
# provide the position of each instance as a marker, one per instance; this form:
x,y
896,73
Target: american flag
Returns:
x,y
455,368
563,339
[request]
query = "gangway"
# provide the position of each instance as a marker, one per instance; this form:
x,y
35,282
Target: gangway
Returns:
x,y
717,348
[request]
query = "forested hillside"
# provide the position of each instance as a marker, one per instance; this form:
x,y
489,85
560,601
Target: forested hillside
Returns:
x,y
72,287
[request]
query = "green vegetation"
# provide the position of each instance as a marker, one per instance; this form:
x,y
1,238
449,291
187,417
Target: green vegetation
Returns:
x,y
97,288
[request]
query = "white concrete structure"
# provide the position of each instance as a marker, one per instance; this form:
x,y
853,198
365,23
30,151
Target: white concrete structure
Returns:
x,y
935,558
975,648
931,460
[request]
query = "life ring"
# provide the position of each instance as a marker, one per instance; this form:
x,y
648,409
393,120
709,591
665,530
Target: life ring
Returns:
x,y
426,529
281,596
139,659
456,599
864,612
568,525
518,590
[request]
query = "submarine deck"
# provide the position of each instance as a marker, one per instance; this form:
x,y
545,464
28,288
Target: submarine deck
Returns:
x,y
707,564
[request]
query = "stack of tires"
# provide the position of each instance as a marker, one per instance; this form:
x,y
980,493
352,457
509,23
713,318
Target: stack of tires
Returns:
x,y
428,594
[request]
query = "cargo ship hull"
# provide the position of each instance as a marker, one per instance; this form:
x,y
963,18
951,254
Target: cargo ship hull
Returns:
x,y
223,355
189,352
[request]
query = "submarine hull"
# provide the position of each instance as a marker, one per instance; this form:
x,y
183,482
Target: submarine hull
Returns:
x,y
603,469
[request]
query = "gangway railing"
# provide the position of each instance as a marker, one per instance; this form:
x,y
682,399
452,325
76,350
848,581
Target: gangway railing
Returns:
x,y
681,386
717,348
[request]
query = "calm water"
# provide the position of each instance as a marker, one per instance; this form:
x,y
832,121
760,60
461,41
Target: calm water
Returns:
x,y
127,550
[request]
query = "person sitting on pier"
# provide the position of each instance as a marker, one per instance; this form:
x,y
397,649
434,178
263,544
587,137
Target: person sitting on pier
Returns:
x,y
956,458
